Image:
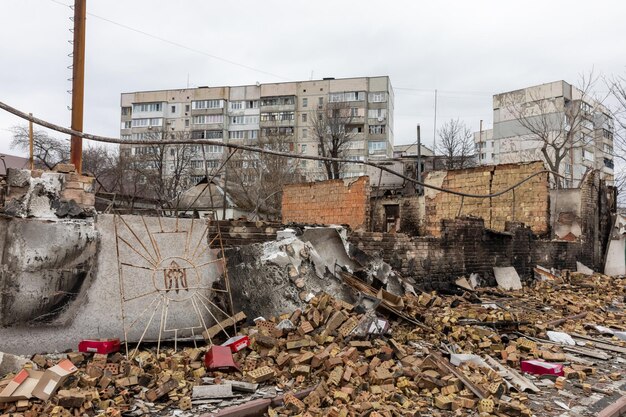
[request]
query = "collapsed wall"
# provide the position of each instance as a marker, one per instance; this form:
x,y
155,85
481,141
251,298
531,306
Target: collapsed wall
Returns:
x,y
529,203
328,202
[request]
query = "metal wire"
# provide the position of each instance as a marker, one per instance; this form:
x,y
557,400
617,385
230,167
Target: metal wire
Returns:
x,y
105,139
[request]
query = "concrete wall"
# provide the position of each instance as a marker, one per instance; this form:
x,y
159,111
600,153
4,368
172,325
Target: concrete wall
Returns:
x,y
328,202
69,286
529,204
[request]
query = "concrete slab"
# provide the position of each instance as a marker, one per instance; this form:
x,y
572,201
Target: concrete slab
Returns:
x,y
95,311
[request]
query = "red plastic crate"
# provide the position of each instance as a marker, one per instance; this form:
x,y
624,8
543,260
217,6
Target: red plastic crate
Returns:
x,y
103,346
237,343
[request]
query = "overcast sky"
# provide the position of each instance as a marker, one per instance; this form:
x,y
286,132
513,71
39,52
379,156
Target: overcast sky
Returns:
x,y
467,50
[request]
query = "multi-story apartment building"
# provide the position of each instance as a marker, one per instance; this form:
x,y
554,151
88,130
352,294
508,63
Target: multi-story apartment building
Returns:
x,y
559,112
245,114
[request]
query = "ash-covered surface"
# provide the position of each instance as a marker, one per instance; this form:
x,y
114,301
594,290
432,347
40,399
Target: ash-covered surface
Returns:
x,y
274,277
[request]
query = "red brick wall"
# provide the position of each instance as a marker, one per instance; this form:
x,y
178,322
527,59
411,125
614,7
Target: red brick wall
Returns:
x,y
328,202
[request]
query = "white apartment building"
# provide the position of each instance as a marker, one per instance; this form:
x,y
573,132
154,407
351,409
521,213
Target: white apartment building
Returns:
x,y
243,114
559,107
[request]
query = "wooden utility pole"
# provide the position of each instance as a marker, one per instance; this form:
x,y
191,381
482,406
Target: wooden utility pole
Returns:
x,y
78,83
30,143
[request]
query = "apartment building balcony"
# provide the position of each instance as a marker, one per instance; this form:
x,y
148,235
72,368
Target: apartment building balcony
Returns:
x,y
208,111
277,123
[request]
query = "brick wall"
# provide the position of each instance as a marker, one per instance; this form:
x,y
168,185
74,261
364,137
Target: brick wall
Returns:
x,y
409,210
528,204
466,247
328,202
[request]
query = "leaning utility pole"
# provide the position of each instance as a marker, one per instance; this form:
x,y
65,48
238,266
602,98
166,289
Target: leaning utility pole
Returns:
x,y
78,83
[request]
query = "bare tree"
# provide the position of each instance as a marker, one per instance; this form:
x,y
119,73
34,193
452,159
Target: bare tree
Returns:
x,y
164,171
617,87
456,144
256,180
331,129
557,126
48,151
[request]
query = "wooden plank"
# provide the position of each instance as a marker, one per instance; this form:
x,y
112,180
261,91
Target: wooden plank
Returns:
x,y
600,344
212,331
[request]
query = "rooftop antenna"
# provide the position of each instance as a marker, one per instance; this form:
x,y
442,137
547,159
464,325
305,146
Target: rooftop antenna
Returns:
x,y
187,80
311,75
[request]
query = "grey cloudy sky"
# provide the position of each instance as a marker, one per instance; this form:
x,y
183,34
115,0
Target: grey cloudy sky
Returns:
x,y
468,50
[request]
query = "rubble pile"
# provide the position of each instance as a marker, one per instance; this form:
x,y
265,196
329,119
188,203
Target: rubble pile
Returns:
x,y
481,352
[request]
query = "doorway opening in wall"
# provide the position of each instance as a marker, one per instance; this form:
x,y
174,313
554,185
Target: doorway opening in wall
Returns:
x,y
392,217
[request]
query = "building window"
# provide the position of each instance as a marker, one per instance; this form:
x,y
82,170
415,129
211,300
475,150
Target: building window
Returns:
x,y
320,102
172,109
187,107
147,107
244,120
207,104
196,164
377,146
207,134
127,124
608,149
212,163
278,101
172,152
346,96
305,133
303,148
377,113
207,119
304,117
126,111
587,155
236,105
253,134
305,102
239,134
147,122
377,129
213,149
125,137
252,104
378,97
277,116
186,122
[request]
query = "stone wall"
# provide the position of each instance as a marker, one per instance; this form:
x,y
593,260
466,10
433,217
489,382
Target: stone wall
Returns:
x,y
466,247
328,202
528,204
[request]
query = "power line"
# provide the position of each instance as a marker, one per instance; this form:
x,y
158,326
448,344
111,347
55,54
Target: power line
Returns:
x,y
256,149
177,44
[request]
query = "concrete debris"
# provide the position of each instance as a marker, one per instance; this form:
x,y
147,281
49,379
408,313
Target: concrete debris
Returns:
x,y
11,363
281,275
583,269
507,278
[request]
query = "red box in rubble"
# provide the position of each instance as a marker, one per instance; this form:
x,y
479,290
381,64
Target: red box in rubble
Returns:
x,y
103,346
237,343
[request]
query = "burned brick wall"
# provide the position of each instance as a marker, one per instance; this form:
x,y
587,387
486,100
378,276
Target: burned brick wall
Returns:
x,y
529,203
328,202
408,210
467,247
